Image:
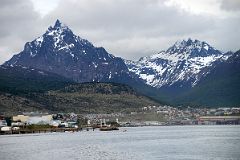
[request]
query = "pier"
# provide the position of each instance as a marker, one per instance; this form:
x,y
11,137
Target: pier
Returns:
x,y
45,130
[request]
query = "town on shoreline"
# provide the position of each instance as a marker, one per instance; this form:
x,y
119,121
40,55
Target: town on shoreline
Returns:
x,y
36,122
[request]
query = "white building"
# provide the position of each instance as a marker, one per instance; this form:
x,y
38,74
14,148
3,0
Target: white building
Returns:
x,y
3,123
45,119
33,119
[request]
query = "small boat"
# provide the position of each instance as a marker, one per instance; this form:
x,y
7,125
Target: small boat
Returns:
x,y
115,128
109,128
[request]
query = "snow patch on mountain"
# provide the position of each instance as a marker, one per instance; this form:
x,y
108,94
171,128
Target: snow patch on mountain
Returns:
x,y
184,62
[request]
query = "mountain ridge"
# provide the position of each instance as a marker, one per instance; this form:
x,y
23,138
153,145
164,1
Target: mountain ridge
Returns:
x,y
184,61
164,76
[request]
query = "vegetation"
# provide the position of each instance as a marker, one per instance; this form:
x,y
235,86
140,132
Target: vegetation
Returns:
x,y
94,98
79,98
13,104
22,81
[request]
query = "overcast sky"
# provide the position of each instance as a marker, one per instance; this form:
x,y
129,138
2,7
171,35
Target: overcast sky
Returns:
x,y
127,28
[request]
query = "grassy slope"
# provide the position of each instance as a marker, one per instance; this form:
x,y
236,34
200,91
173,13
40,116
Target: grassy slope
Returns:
x,y
29,91
95,98
12,104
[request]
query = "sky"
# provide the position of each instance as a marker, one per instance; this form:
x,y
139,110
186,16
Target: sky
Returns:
x,y
126,28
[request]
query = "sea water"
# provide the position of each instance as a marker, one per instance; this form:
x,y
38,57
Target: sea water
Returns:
x,y
139,143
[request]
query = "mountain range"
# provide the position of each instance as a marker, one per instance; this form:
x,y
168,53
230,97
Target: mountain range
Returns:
x,y
191,72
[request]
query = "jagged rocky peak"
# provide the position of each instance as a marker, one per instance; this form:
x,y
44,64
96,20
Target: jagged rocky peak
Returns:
x,y
59,33
60,38
189,43
59,26
185,62
60,51
185,50
59,30
194,48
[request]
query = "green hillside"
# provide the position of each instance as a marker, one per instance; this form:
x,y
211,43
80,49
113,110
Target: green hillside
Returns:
x,y
94,98
24,90
20,81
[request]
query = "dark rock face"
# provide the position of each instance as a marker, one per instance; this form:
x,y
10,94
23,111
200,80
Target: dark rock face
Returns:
x,y
61,52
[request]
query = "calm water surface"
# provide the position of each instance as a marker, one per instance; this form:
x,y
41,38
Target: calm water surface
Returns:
x,y
146,143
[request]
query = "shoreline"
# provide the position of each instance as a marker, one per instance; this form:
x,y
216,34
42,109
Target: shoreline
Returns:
x,y
73,130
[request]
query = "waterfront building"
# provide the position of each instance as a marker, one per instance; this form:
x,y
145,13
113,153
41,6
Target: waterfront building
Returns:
x,y
17,124
33,119
3,123
211,120
20,118
41,119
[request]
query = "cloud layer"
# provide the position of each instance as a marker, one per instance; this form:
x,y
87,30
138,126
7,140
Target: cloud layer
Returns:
x,y
129,29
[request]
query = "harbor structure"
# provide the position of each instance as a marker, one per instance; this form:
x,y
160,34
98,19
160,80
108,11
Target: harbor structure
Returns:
x,y
212,120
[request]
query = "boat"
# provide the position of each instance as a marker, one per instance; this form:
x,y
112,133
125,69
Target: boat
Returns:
x,y
109,128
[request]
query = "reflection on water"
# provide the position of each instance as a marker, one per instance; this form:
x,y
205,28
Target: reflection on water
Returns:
x,y
151,143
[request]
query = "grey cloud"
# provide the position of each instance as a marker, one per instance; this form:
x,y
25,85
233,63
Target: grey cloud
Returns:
x,y
129,29
230,5
18,24
122,25
127,16
17,16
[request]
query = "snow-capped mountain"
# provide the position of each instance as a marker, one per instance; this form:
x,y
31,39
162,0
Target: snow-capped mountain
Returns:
x,y
178,75
61,52
182,65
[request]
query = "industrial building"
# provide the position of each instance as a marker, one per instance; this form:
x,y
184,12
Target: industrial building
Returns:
x,y
213,120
